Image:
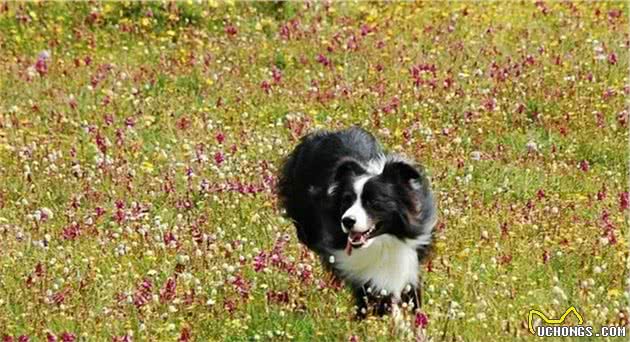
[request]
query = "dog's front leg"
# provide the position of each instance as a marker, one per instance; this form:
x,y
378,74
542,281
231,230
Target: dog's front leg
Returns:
x,y
361,302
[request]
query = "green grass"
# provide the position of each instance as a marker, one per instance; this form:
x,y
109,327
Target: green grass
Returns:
x,y
536,96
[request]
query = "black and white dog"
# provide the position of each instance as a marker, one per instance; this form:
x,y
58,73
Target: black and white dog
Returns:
x,y
368,214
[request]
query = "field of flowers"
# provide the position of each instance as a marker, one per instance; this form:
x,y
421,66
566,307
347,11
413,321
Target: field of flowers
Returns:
x,y
139,145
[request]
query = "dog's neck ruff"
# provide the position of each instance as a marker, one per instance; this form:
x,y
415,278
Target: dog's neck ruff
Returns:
x,y
389,264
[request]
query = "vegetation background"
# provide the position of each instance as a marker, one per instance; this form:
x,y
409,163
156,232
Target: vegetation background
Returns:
x,y
139,144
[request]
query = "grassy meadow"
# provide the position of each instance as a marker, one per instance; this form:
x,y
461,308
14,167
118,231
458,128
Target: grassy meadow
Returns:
x,y
140,142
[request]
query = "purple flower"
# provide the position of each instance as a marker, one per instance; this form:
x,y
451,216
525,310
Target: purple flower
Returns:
x,y
622,118
260,261
143,293
71,232
219,158
421,320
167,293
280,297
125,338
546,256
584,165
323,60
68,337
220,137
185,335
276,74
41,65
242,286
624,200
612,58
231,30
266,86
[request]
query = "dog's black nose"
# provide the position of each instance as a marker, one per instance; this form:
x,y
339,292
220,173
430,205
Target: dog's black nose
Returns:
x,y
348,222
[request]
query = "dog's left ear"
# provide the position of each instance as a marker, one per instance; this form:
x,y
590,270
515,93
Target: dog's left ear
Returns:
x,y
403,173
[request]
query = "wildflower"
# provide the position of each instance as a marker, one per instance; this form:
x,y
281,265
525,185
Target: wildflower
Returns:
x,y
41,65
231,30
124,338
46,214
229,305
143,293
59,297
266,87
276,74
622,118
624,200
72,102
185,335
260,261
68,337
71,232
612,58
219,158
167,293
279,297
421,320
323,60
220,137
532,146
602,193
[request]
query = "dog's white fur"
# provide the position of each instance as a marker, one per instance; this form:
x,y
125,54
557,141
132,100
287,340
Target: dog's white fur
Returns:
x,y
390,263
363,221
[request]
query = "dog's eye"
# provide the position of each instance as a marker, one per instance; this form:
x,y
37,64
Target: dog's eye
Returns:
x,y
347,198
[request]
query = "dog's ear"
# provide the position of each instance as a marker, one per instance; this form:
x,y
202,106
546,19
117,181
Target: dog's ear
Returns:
x,y
403,173
348,167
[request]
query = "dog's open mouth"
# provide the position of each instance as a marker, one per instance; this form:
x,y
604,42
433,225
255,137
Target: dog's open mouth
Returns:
x,y
358,239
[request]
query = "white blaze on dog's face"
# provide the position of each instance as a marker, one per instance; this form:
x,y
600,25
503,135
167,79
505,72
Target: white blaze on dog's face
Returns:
x,y
362,220
356,221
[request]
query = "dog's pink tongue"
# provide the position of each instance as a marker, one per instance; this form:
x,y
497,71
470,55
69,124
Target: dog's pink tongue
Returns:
x,y
355,236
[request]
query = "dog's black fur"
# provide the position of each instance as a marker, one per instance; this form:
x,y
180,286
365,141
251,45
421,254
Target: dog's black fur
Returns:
x,y
316,188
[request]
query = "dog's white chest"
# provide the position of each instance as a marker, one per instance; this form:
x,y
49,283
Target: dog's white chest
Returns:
x,y
388,263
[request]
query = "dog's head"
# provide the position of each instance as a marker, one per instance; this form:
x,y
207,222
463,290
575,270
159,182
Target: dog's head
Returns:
x,y
387,196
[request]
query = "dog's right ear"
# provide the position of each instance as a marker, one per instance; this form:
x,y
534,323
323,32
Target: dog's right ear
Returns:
x,y
348,167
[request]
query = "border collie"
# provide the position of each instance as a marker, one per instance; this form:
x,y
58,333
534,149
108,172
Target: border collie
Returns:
x,y
368,214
